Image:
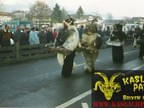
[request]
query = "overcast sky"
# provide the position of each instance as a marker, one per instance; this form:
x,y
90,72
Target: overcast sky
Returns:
x,y
118,8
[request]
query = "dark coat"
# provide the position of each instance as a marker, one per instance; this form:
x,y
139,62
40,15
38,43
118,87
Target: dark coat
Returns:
x,y
118,35
5,38
24,38
17,36
62,36
49,36
42,37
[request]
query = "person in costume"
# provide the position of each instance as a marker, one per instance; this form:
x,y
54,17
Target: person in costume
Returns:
x,y
68,39
117,38
90,43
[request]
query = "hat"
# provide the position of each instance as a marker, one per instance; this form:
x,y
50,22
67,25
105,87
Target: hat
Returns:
x,y
70,21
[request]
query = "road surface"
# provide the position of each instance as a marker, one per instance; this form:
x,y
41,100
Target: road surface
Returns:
x,y
38,83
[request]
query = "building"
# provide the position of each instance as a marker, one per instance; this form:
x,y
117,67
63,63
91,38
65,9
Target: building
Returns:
x,y
19,15
41,22
138,20
5,17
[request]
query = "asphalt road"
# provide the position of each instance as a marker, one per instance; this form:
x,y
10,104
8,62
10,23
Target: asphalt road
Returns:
x,y
38,83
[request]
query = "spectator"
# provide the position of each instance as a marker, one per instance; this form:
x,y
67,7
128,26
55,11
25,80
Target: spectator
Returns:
x,y
118,36
49,36
33,37
81,30
6,35
55,34
17,35
42,36
140,34
24,39
0,36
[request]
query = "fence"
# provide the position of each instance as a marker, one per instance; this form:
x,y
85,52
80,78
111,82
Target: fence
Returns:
x,y
17,53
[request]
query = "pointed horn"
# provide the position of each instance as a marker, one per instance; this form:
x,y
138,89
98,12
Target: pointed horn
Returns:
x,y
115,76
103,76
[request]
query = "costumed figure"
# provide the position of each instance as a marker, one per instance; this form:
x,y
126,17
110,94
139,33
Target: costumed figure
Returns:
x,y
90,44
140,41
67,41
117,41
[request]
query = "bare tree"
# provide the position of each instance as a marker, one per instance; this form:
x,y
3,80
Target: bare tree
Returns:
x,y
57,14
64,13
39,10
80,12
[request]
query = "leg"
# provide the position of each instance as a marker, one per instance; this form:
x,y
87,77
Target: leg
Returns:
x,y
94,57
87,61
90,61
140,52
114,58
121,56
68,65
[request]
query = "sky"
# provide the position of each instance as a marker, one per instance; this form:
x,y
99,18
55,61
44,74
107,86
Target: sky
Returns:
x,y
118,8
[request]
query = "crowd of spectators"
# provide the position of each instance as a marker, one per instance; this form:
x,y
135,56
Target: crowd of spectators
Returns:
x,y
33,36
26,36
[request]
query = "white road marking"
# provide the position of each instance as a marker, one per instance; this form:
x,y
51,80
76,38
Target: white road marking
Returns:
x,y
129,52
83,95
84,105
73,100
136,68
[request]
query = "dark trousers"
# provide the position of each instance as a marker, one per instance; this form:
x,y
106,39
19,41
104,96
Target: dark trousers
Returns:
x,y
141,51
117,54
68,65
5,43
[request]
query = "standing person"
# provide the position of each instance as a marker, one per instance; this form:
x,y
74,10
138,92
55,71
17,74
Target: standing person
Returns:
x,y
17,35
140,36
68,38
24,38
54,34
0,37
81,30
91,43
42,36
6,35
117,38
49,35
33,37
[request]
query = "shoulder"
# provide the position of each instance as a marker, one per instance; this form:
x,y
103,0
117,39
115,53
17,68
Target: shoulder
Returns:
x,y
72,27
98,35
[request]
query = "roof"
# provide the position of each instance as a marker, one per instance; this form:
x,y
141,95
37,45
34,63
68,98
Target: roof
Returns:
x,y
18,11
111,22
5,14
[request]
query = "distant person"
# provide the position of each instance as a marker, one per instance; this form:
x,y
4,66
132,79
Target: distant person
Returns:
x,y
33,37
49,36
140,36
17,35
54,34
81,30
0,36
24,38
43,36
6,35
118,37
